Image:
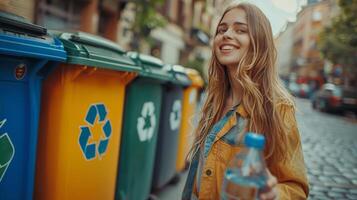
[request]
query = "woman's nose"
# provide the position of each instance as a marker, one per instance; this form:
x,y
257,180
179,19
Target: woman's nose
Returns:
x,y
228,34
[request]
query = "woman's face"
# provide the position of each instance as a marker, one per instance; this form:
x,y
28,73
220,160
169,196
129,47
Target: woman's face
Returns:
x,y
232,40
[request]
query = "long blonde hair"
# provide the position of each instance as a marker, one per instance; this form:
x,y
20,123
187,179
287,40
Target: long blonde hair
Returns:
x,y
261,87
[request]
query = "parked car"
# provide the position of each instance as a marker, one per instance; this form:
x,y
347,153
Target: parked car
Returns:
x,y
294,88
333,98
299,90
304,90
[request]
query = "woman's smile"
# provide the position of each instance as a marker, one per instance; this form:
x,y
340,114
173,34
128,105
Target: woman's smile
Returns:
x,y
228,48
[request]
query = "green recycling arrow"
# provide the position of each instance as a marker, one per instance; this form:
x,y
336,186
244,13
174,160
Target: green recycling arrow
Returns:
x,y
7,151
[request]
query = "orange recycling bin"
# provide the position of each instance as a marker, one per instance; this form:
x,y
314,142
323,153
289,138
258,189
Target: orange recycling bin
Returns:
x,y
190,100
81,121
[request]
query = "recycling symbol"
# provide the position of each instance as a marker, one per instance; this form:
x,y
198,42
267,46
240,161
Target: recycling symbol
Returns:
x,y
175,115
97,114
7,151
146,122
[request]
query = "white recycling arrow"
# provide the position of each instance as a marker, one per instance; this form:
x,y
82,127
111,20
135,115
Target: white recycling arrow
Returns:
x,y
145,126
175,115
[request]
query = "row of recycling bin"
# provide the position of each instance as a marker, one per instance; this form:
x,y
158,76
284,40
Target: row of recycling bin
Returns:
x,y
80,118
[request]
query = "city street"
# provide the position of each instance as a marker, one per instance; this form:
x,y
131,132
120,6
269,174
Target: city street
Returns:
x,y
94,93
330,150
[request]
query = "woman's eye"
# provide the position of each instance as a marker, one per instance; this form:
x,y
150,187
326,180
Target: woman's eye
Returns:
x,y
240,31
221,30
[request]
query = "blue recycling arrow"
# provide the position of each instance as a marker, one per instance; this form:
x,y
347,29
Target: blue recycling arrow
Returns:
x,y
90,150
102,112
103,144
91,115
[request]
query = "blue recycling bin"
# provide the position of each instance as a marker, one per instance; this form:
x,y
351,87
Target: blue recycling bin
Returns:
x,y
27,55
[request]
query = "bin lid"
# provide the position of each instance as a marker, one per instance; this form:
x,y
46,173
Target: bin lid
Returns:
x,y
195,77
152,67
19,37
91,50
179,75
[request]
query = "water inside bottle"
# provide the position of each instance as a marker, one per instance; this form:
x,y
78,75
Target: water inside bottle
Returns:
x,y
237,187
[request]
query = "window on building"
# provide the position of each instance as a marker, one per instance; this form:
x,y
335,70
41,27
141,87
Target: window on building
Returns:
x,y
59,14
316,16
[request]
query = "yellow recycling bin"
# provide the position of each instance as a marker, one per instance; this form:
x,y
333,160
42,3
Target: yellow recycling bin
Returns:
x,y
190,99
81,121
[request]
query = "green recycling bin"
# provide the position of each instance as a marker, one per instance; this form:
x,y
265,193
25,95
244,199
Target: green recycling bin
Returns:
x,y
171,112
140,129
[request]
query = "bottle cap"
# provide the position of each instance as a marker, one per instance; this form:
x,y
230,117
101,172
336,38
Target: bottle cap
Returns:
x,y
254,140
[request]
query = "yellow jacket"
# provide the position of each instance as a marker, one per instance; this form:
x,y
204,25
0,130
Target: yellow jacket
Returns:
x,y
292,180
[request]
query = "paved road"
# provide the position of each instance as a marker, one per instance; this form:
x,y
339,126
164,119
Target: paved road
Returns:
x,y
330,149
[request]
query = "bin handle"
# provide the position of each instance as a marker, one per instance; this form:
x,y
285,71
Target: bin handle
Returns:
x,y
140,63
84,70
86,50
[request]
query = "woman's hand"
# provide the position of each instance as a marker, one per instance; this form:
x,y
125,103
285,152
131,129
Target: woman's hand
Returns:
x,y
269,192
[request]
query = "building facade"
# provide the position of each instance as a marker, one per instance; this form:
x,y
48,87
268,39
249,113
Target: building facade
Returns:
x,y
99,17
298,53
25,8
185,39
284,47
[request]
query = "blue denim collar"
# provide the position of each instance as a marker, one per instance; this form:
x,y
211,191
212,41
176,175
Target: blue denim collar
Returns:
x,y
187,192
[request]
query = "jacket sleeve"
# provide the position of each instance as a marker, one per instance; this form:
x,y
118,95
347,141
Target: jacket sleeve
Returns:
x,y
291,174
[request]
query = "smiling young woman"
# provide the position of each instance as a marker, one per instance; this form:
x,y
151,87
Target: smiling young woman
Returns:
x,y
245,94
232,39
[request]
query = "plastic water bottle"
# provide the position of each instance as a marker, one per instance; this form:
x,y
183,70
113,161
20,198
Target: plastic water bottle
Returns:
x,y
246,173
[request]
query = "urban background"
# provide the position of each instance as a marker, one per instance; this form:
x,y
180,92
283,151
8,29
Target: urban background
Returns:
x,y
318,47
317,60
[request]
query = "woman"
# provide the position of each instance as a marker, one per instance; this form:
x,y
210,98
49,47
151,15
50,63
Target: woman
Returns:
x,y
244,94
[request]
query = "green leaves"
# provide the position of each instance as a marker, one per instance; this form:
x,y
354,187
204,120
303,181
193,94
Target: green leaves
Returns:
x,y
338,42
147,18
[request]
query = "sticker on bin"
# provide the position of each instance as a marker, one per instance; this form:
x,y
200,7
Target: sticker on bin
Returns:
x,y
20,71
175,115
7,151
96,115
146,122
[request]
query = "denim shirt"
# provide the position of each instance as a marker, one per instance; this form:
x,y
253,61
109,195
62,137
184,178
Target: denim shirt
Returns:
x,y
200,156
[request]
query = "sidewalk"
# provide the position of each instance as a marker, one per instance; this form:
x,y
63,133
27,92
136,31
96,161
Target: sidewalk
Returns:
x,y
173,191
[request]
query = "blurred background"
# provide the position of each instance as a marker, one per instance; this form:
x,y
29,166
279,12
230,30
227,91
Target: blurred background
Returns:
x,y
316,41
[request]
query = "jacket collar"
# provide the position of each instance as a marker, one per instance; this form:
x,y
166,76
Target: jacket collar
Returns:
x,y
241,111
232,121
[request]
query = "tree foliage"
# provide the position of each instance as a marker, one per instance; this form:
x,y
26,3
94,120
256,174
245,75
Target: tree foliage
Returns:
x,y
147,18
338,42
